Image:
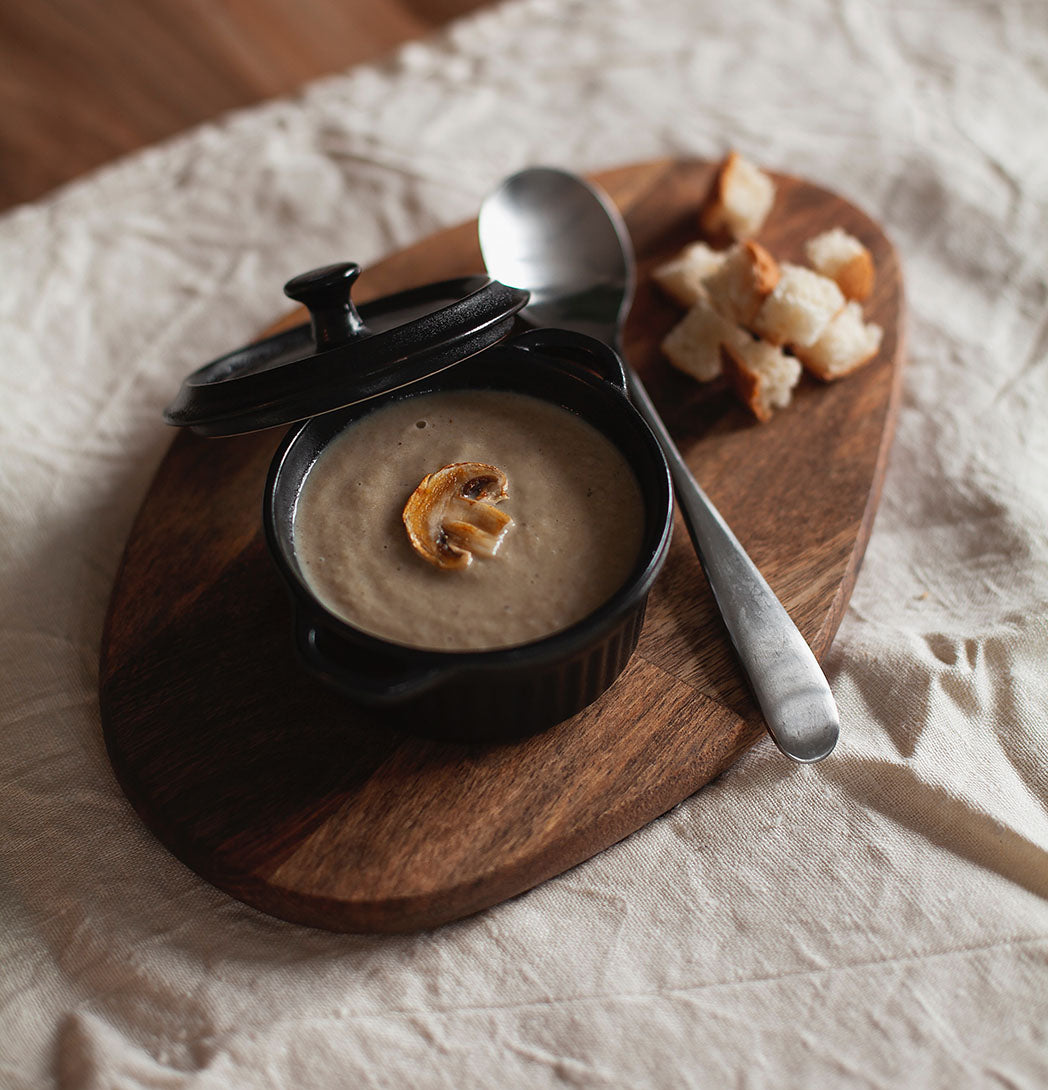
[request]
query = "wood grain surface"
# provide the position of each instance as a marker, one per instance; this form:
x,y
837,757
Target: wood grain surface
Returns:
x,y
287,797
82,83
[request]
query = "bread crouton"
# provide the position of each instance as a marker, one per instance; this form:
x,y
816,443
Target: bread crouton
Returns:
x,y
845,345
682,277
693,345
742,198
762,374
844,259
799,308
739,287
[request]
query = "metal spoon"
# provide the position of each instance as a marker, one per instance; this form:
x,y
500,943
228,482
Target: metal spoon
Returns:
x,y
554,234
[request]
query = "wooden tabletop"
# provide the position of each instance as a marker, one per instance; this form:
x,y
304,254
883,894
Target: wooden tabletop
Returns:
x,y
81,84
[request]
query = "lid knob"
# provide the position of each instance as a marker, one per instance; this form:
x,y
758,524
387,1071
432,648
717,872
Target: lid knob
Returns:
x,y
325,292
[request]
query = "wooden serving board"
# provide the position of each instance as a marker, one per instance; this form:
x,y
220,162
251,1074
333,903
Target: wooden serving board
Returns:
x,y
277,791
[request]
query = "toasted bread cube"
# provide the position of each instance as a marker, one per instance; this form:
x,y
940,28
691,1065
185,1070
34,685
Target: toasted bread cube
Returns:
x,y
743,281
844,259
762,374
682,277
693,345
799,307
845,345
742,198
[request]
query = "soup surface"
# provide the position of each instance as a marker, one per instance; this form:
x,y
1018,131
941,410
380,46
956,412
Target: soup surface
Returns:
x,y
577,511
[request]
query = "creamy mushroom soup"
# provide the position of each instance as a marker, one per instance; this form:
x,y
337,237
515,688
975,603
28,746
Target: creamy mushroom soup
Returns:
x,y
576,508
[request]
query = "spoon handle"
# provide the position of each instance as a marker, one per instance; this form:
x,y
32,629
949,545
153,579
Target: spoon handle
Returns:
x,y
788,682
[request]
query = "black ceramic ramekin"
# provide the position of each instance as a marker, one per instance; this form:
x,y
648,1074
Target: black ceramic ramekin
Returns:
x,y
507,692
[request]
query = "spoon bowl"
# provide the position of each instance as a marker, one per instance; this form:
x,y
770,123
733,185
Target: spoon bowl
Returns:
x,y
543,228
555,235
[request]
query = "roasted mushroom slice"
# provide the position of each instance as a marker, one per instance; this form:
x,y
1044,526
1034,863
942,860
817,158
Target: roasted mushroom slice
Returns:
x,y
450,517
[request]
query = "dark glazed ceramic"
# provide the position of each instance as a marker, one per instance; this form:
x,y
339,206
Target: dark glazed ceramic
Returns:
x,y
343,356
510,692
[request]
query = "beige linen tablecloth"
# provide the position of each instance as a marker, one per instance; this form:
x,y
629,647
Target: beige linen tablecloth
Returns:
x,y
877,920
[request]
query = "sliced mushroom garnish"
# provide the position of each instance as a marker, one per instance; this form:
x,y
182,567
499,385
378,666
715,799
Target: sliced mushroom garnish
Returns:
x,y
450,517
